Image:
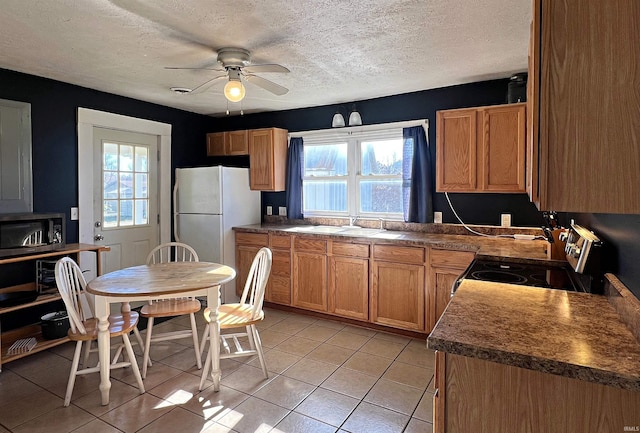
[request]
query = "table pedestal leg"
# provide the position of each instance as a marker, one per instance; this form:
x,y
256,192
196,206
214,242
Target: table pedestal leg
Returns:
x,y
213,302
104,342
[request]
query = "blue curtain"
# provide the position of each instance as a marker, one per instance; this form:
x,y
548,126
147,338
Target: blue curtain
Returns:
x,y
417,184
295,156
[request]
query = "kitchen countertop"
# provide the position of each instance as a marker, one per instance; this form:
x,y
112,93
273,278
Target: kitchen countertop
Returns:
x,y
577,335
485,247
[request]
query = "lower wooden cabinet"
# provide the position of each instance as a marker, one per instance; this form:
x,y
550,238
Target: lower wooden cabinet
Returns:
x,y
445,268
310,273
474,395
279,284
404,287
349,280
397,296
247,246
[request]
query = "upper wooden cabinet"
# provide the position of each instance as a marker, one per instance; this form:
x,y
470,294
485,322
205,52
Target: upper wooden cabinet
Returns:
x,y
268,159
585,107
227,143
481,149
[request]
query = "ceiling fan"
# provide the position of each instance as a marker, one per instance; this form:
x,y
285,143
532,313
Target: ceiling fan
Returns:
x,y
237,67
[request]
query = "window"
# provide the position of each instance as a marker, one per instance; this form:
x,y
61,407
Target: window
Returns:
x,y
353,173
125,192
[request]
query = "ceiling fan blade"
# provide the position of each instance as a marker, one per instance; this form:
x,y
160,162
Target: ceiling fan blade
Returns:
x,y
270,86
204,86
194,69
252,69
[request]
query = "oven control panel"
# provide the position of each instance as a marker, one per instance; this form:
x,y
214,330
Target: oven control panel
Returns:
x,y
581,243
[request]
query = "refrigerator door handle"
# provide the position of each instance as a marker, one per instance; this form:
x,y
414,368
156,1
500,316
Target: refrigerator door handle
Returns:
x,y
175,210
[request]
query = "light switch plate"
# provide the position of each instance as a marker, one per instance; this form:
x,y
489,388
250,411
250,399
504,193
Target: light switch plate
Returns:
x,y
74,214
437,217
269,210
282,210
505,220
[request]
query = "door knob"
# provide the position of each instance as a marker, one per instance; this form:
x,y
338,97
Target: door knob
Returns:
x,y
98,238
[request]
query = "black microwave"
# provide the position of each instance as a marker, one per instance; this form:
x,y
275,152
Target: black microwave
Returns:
x,y
29,233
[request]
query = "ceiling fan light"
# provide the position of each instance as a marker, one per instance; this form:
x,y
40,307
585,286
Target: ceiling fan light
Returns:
x,y
338,121
234,91
355,119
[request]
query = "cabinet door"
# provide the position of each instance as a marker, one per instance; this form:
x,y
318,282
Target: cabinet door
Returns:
x,y
268,158
310,281
589,106
279,286
533,97
244,257
237,143
456,158
445,268
439,394
215,144
397,295
502,139
349,287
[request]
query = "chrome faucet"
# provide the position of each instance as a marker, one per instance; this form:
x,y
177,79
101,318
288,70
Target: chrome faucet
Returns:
x,y
352,220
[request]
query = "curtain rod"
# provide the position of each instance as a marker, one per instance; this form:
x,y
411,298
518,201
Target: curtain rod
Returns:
x,y
362,128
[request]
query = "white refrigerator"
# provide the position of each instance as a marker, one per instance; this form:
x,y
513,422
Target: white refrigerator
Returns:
x,y
207,203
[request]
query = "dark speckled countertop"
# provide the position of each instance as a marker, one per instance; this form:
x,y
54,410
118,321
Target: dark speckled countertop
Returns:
x,y
576,335
483,246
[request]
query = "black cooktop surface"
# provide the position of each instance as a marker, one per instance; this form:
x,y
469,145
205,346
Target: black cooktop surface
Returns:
x,y
549,277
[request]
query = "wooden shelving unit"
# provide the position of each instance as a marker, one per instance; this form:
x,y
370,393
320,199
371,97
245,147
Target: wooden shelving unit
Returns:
x,y
33,330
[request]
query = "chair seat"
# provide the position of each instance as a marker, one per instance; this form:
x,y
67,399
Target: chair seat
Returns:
x,y
170,307
119,324
234,315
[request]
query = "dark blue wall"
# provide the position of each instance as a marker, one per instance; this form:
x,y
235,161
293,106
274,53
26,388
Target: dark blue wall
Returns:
x,y
472,208
54,134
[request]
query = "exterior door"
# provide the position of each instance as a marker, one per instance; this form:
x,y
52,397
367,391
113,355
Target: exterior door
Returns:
x,y
125,196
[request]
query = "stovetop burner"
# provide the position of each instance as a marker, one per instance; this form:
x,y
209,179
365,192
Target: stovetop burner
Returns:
x,y
550,277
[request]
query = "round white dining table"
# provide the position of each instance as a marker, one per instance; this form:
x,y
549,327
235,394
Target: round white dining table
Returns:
x,y
158,281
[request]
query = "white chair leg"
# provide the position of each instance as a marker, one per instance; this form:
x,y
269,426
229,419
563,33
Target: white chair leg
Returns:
x,y
258,343
72,374
205,371
196,345
147,344
87,351
134,362
203,342
136,333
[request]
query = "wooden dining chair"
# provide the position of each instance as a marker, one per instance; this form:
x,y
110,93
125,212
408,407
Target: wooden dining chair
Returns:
x,y
244,314
84,327
165,253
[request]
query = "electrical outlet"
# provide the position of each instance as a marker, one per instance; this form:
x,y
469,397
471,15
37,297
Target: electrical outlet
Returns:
x,y
282,210
74,214
269,210
437,217
505,220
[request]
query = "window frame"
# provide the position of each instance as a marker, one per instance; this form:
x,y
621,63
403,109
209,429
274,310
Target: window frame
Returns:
x,y
354,177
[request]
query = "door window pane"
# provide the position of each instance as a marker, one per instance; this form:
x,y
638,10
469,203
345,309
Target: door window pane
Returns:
x,y
125,189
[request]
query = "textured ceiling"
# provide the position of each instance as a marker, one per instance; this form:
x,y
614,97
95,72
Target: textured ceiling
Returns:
x,y
338,51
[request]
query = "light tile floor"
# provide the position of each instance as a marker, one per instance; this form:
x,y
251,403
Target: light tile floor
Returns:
x,y
325,376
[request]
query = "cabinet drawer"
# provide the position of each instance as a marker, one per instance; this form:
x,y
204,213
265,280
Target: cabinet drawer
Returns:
x,y
450,259
351,250
310,245
280,241
399,254
261,239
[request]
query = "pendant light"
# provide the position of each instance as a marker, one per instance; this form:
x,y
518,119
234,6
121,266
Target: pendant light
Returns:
x,y
354,118
338,120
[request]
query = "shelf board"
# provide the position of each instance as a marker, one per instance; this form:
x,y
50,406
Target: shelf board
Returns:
x,y
10,337
42,299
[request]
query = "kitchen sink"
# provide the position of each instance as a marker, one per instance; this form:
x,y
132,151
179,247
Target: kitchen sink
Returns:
x,y
338,230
